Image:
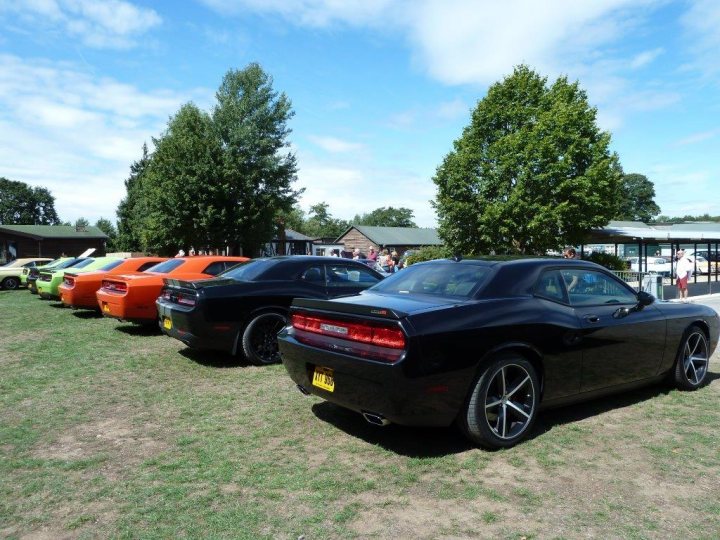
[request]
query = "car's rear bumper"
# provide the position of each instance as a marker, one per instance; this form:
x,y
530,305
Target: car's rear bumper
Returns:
x,y
122,308
373,387
182,325
78,299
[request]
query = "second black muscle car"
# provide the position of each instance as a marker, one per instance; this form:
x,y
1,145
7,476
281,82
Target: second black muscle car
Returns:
x,y
242,309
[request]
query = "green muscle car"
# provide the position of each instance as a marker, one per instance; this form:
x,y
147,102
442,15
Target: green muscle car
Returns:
x,y
48,281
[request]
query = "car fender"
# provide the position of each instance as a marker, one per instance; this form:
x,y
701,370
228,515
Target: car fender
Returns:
x,y
258,311
528,350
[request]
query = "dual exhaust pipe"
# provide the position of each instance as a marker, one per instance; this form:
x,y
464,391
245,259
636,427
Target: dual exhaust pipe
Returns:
x,y
370,417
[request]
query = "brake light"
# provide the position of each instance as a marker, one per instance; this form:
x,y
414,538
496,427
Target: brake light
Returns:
x,y
114,286
376,340
176,297
69,281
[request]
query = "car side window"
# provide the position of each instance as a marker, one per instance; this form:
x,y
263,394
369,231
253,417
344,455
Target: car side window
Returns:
x,y
314,274
590,288
551,286
215,268
146,265
341,275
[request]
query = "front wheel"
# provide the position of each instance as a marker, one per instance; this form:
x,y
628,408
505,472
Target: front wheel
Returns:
x,y
10,283
503,403
259,339
691,364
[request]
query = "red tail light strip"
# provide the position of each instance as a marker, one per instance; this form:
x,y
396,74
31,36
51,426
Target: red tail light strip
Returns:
x,y
115,286
69,281
179,298
387,337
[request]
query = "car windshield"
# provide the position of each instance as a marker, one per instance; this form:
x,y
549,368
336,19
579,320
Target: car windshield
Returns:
x,y
111,265
167,266
68,264
450,280
248,271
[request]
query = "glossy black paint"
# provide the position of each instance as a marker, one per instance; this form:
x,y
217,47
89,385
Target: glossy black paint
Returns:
x,y
578,352
225,305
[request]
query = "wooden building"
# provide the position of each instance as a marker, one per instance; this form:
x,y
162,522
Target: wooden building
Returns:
x,y
399,239
52,241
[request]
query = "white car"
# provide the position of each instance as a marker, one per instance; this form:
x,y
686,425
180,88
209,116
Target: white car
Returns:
x,y
656,265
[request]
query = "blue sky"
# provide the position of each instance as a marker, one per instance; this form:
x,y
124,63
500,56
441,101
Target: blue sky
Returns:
x,y
380,88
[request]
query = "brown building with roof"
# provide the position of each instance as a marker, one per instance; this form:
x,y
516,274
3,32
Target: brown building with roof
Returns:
x,y
48,241
398,238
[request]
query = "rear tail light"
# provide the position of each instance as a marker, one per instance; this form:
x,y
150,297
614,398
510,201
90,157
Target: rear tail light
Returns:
x,y
45,277
69,281
369,339
114,286
177,297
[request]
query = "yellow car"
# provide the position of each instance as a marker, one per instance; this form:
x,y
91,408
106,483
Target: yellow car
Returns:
x,y
10,273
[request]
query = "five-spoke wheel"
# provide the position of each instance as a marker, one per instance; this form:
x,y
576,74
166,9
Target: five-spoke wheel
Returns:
x,y
259,339
503,404
691,366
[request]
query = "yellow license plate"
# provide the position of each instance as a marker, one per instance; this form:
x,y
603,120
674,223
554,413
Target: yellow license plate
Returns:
x,y
323,378
106,307
167,323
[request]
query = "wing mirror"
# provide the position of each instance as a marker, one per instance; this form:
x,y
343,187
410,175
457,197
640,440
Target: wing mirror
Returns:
x,y
644,299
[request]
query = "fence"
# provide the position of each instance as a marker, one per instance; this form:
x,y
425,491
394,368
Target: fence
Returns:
x,y
649,282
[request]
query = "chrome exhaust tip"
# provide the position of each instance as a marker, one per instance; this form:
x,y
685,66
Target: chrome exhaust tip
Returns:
x,y
375,419
303,390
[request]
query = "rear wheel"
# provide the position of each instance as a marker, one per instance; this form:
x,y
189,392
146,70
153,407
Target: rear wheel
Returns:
x,y
10,283
259,339
691,365
503,404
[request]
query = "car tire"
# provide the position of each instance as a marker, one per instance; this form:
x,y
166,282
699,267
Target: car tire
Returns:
x,y
507,389
693,360
259,338
10,283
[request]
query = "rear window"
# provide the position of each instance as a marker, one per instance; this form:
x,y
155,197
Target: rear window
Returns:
x,y
67,264
447,280
249,271
111,265
167,266
82,263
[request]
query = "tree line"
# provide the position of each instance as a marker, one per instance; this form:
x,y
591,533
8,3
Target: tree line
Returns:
x,y
531,171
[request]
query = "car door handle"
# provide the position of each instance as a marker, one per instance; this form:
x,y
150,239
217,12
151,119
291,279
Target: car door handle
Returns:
x,y
592,318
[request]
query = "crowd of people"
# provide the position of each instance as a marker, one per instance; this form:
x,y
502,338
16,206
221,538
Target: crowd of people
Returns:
x,y
388,260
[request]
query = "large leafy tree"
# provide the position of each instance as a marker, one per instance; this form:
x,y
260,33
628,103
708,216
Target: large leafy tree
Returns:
x,y
321,224
530,173
106,226
386,217
131,211
184,204
256,169
637,199
21,204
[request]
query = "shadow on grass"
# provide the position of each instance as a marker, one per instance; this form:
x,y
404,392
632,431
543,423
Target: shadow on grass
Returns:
x,y
140,330
87,314
407,441
214,359
55,304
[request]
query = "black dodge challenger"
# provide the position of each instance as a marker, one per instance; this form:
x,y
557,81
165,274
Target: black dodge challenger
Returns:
x,y
242,309
486,343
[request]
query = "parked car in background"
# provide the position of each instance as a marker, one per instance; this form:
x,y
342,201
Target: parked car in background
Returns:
x,y
656,265
48,282
11,272
487,343
78,289
30,279
131,297
243,309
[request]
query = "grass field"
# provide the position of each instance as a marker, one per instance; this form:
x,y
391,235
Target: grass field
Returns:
x,y
108,430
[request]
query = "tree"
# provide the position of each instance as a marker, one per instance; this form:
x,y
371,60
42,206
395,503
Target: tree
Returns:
x,y
256,172
637,199
21,204
182,200
131,211
531,172
387,217
320,224
106,226
81,223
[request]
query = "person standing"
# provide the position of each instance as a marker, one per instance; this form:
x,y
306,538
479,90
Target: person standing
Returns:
x,y
372,254
683,272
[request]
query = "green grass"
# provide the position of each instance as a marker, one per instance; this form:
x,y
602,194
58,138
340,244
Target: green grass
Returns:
x,y
110,431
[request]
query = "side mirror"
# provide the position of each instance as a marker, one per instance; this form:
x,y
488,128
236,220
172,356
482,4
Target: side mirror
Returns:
x,y
645,299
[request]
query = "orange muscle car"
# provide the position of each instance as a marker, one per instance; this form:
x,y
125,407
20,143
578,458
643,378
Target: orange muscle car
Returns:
x,y
131,297
78,289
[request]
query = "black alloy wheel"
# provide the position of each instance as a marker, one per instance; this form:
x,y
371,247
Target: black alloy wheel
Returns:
x,y
691,365
10,283
259,339
503,403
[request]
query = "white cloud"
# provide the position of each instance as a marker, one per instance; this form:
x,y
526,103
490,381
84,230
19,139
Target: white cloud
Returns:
x,y
645,58
450,110
108,24
701,23
697,137
334,145
74,133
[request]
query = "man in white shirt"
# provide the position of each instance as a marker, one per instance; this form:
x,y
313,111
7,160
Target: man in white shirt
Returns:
x,y
683,271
